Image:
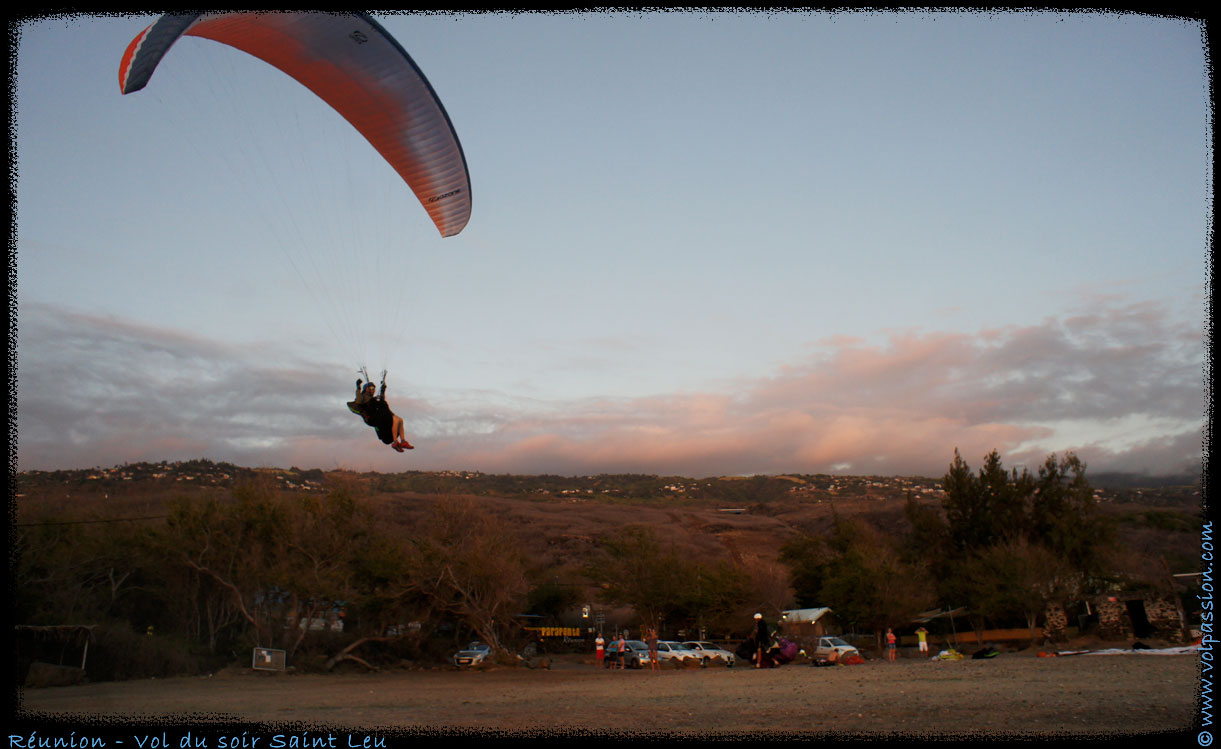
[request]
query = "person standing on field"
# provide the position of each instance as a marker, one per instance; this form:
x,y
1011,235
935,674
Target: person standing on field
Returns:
x,y
763,639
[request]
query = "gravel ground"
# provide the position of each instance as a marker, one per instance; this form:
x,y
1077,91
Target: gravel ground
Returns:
x,y
1013,694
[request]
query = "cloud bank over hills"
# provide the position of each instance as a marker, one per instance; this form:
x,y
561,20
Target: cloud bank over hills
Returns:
x,y
1122,387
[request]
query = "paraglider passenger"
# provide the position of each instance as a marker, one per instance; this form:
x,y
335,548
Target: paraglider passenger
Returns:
x,y
371,406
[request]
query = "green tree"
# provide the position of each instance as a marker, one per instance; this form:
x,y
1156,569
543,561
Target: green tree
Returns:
x,y
1056,509
1016,578
468,564
666,587
550,599
722,593
807,557
859,572
928,542
1064,514
278,564
637,569
1017,540
986,508
76,570
381,600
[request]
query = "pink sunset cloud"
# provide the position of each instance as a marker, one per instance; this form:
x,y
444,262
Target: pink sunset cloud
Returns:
x,y
898,407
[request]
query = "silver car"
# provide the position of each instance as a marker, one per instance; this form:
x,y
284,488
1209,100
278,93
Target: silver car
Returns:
x,y
472,655
707,651
668,650
636,655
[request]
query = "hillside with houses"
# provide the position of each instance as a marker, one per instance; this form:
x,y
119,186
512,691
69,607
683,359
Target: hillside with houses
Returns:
x,y
216,553
676,490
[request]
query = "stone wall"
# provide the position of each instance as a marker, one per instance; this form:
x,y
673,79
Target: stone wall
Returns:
x,y
1114,623
1055,624
1164,614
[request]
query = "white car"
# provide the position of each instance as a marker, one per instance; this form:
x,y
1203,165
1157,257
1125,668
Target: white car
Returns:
x,y
707,651
828,645
669,650
472,655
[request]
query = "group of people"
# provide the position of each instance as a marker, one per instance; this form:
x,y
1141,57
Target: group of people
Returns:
x,y
618,647
618,650
766,649
892,643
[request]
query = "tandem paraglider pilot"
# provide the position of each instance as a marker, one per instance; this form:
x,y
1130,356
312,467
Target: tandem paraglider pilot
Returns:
x,y
373,409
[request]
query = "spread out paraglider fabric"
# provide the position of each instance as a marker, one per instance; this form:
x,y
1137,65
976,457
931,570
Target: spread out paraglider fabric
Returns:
x,y
349,61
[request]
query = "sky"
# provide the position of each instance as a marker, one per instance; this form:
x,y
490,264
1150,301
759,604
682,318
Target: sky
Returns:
x,y
702,243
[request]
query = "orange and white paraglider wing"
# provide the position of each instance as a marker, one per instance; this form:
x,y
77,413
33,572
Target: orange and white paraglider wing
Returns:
x,y
350,62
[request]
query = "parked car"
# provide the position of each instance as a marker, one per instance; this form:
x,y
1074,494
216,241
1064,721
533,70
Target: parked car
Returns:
x,y
473,654
828,645
636,655
669,650
707,651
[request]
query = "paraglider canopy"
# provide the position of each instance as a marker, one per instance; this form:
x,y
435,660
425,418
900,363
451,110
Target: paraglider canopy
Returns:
x,y
352,63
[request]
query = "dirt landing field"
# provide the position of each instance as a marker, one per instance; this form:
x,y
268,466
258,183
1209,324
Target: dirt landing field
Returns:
x,y
1088,695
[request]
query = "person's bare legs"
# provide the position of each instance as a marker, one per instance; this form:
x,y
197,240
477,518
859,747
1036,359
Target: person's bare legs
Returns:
x,y
397,433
